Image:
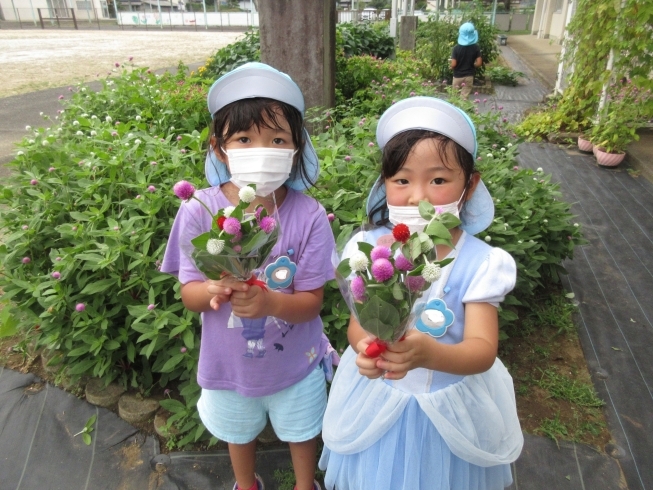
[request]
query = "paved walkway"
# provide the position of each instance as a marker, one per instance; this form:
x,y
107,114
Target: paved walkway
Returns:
x,y
610,276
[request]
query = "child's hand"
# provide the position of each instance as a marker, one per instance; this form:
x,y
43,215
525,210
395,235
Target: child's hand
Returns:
x,y
403,356
252,302
222,289
367,365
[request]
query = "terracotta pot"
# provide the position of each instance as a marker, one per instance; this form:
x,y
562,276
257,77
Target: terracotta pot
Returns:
x,y
585,145
606,159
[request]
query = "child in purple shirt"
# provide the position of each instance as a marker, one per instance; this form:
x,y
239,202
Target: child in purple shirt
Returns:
x,y
262,351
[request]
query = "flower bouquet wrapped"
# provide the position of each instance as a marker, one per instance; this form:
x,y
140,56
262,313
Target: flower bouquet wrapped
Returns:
x,y
382,283
238,242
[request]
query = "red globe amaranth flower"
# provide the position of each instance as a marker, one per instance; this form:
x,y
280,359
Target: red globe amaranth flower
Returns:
x,y
220,221
401,233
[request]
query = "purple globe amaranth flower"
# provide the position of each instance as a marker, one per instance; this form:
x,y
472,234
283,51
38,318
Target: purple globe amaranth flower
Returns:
x,y
382,270
331,217
347,158
56,275
403,264
380,252
151,307
33,182
414,283
80,306
268,224
237,237
184,190
51,169
357,287
26,260
151,188
231,226
237,248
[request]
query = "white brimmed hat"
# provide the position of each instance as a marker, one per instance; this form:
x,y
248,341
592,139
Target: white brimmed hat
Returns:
x,y
247,82
438,116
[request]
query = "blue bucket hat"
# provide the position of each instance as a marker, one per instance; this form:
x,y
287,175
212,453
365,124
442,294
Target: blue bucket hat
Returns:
x,y
467,34
247,82
433,114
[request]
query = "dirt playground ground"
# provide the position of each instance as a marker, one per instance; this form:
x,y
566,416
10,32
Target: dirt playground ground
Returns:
x,y
33,60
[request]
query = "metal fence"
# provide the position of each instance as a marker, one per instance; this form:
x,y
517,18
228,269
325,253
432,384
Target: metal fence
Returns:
x,y
149,16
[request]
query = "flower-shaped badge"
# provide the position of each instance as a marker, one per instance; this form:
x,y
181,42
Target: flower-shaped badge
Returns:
x,y
434,318
280,273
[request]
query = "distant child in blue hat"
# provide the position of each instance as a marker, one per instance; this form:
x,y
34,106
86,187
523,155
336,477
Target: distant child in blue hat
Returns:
x,y
275,368
466,57
436,411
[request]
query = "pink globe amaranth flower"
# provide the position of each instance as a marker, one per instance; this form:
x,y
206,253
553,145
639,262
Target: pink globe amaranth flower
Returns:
x,y
412,94
151,307
370,144
26,260
347,158
33,182
357,287
178,138
237,237
382,270
414,283
61,97
183,349
25,227
74,228
80,306
505,120
117,64
257,213
56,275
154,163
131,58
183,150
231,226
151,188
515,167
331,217
114,133
463,84
237,248
51,169
380,252
183,189
58,259
403,264
116,228
268,224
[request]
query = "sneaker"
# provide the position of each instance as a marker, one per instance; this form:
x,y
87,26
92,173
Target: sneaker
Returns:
x,y
259,483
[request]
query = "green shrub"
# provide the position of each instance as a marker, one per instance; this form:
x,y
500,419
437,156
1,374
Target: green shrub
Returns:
x,y
504,76
232,56
365,38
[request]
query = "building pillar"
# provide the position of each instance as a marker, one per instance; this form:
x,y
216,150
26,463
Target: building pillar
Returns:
x,y
298,37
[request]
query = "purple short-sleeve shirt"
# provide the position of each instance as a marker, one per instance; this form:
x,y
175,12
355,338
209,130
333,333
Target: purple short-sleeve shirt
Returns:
x,y
258,357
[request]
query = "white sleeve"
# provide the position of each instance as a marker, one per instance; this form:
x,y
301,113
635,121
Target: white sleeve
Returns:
x,y
493,280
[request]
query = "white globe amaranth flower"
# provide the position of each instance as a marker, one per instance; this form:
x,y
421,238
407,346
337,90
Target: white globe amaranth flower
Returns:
x,y
108,119
489,155
488,239
130,135
83,89
28,128
79,133
431,272
92,153
137,142
45,143
20,153
576,225
509,145
84,115
545,221
247,194
214,246
138,118
31,142
503,149
93,116
228,210
93,133
539,169
75,123
59,130
358,262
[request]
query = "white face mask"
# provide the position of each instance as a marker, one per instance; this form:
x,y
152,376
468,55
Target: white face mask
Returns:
x,y
409,215
268,168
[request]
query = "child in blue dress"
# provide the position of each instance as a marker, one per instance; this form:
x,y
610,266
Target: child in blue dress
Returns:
x,y
430,413
263,353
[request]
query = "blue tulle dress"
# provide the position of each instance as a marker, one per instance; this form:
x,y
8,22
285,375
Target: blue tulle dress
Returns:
x,y
431,430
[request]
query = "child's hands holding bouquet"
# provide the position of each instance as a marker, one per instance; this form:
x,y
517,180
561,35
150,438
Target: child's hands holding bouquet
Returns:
x,y
383,283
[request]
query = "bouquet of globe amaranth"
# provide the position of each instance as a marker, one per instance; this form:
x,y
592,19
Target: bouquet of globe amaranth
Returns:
x,y
382,283
238,242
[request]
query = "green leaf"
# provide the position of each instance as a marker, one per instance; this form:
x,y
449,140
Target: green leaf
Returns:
x,y
86,438
8,323
343,268
426,210
99,286
379,318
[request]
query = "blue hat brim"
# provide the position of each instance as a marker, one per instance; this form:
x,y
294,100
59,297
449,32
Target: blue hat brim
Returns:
x,y
217,173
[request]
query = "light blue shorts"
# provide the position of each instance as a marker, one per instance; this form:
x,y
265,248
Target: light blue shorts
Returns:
x,y
295,412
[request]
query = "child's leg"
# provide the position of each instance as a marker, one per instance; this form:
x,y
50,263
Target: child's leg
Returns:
x,y
243,457
304,457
